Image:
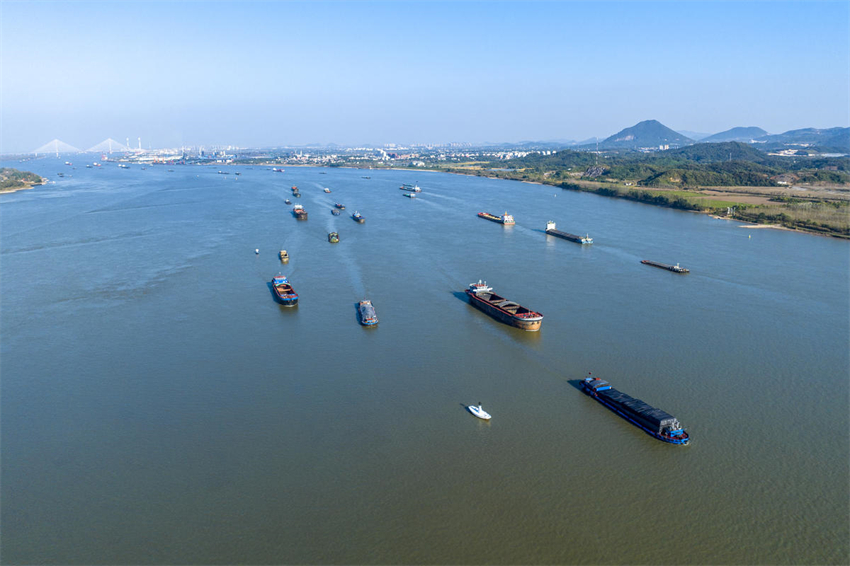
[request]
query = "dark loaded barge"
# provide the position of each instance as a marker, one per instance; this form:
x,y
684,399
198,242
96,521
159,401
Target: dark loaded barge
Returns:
x,y
550,229
505,219
655,422
673,268
483,298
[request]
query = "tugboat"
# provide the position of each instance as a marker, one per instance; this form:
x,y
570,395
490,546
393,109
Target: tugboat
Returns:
x,y
333,238
358,217
483,298
674,268
284,293
550,229
505,219
284,257
339,206
299,212
655,422
367,313
412,188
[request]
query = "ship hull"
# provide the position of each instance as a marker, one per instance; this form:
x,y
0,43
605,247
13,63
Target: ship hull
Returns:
x,y
493,218
531,325
568,236
672,268
680,439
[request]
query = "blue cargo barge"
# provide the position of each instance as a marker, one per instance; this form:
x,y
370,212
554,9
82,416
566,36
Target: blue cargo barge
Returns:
x,y
283,291
656,422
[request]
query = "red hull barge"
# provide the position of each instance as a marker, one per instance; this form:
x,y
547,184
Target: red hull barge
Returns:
x,y
483,298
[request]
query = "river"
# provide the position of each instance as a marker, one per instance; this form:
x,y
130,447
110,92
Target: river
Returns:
x,y
158,407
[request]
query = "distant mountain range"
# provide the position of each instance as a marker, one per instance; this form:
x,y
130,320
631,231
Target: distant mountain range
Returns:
x,y
736,134
652,134
838,138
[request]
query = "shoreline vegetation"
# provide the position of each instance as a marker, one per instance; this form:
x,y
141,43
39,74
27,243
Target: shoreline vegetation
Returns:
x,y
12,180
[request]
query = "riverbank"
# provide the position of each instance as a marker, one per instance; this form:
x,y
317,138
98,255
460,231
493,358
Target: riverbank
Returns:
x,y
12,180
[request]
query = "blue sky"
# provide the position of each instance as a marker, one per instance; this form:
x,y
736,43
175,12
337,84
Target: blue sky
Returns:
x,y
284,73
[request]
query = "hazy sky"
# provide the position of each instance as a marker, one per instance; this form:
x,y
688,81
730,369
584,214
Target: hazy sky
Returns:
x,y
283,73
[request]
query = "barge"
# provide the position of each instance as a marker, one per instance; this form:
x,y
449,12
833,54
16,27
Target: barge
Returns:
x,y
483,298
505,219
284,256
550,230
333,238
339,206
411,188
655,422
368,317
357,217
410,195
299,212
674,268
283,291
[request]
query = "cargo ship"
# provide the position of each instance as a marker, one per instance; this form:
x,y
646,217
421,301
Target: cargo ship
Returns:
x,y
333,238
412,188
673,268
655,422
358,217
483,298
410,195
505,219
550,229
284,293
299,212
367,313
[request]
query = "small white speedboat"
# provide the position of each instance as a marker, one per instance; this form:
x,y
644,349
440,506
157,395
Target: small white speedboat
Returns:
x,y
479,412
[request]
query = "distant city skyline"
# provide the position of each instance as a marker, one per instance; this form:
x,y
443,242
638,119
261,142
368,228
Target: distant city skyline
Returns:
x,y
358,73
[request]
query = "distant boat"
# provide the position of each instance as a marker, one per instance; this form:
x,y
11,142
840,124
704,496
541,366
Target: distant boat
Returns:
x,y
88,166
238,173
327,190
552,231
284,256
410,195
505,219
412,188
340,206
335,212
365,177
223,173
284,292
333,238
479,412
122,166
358,217
287,201
299,212
368,317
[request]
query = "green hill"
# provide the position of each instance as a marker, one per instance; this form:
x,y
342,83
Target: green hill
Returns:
x,y
724,151
736,134
646,134
12,179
